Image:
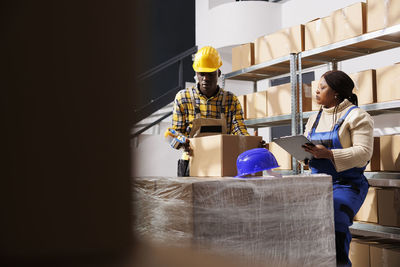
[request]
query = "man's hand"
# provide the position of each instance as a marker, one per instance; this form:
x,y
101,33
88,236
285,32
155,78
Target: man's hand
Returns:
x,y
262,144
318,151
186,147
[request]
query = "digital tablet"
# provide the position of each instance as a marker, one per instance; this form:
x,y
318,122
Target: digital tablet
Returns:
x,y
293,145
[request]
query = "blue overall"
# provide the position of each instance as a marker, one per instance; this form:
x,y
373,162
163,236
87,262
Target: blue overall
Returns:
x,y
350,187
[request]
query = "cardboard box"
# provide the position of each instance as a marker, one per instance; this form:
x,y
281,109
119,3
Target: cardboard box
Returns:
x,y
359,253
369,209
349,22
243,103
283,158
390,153
382,14
279,99
256,104
384,256
279,44
389,206
216,155
381,206
314,105
375,162
242,56
254,219
365,86
388,83
318,33
307,97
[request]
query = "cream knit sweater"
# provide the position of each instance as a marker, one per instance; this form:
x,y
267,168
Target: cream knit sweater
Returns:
x,y
355,135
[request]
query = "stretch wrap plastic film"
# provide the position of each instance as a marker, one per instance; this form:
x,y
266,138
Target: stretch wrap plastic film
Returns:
x,y
285,221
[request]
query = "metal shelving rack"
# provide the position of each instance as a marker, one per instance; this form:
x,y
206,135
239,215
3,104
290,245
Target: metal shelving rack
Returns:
x,y
331,54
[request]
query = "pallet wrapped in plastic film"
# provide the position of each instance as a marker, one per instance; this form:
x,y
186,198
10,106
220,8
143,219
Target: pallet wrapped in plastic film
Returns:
x,y
278,221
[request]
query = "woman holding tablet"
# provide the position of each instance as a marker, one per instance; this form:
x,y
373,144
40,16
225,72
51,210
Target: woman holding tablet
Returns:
x,y
343,134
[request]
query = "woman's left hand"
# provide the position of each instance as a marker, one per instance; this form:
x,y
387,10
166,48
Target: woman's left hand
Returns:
x,y
319,151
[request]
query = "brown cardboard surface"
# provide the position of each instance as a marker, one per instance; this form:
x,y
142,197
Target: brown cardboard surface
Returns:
x,y
279,44
384,256
283,158
369,209
318,33
382,14
314,87
374,163
359,253
365,86
390,153
242,56
243,103
389,206
216,155
307,97
279,100
349,22
257,105
388,83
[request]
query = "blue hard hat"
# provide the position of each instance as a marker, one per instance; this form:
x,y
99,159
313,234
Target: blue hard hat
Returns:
x,y
255,160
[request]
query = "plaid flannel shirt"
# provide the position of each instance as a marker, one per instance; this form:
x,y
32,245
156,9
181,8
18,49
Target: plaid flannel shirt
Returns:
x,y
183,113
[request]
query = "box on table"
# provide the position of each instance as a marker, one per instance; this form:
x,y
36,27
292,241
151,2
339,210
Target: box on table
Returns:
x,y
216,155
375,162
242,56
279,44
285,221
283,158
382,14
369,209
243,103
349,22
388,83
318,33
390,153
365,86
256,104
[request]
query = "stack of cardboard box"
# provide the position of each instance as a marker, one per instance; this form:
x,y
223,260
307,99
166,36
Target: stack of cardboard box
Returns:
x,y
285,221
340,25
374,252
380,207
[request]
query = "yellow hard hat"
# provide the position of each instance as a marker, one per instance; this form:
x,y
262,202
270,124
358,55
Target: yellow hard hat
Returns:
x,y
207,59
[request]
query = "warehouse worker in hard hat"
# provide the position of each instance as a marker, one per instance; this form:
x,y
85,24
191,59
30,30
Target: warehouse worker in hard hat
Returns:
x,y
206,109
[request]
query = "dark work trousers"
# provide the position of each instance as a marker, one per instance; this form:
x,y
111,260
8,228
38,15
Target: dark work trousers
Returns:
x,y
183,168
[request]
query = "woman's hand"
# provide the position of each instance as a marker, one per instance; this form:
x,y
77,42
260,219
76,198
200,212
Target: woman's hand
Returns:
x,y
318,151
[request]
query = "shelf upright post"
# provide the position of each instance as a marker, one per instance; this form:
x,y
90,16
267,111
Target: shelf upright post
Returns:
x,y
255,89
300,75
223,81
333,65
294,117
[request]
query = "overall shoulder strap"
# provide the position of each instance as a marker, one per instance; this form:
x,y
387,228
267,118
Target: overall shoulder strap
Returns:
x,y
316,121
341,120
